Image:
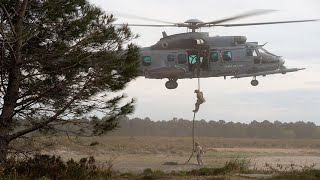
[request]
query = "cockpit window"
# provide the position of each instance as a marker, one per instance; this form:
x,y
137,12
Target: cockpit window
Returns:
x,y
260,50
214,56
254,53
263,51
146,60
227,55
249,52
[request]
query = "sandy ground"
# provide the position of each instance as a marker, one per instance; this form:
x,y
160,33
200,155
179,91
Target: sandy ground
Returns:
x,y
262,159
286,163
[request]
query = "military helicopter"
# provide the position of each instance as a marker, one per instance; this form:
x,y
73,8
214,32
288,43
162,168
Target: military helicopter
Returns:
x,y
195,54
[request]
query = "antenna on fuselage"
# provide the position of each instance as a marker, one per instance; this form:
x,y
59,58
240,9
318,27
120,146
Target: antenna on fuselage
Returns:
x,y
164,34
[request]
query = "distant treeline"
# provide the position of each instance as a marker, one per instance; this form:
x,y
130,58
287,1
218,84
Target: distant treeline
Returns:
x,y
181,128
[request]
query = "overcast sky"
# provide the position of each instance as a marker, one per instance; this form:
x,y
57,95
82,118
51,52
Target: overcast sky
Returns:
x,y
287,98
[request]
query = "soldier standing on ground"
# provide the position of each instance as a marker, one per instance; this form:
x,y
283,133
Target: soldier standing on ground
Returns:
x,y
199,152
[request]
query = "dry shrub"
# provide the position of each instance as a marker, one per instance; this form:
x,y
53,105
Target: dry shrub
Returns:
x,y
52,167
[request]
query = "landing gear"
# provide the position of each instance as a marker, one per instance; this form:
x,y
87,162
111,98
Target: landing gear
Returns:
x,y
171,84
254,82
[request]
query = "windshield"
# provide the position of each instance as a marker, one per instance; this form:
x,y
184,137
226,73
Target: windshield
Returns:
x,y
263,51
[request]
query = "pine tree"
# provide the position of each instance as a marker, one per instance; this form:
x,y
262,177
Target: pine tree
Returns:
x,y
60,60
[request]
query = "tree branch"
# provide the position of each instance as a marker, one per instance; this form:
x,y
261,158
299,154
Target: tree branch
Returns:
x,y
53,118
29,101
9,19
2,75
11,49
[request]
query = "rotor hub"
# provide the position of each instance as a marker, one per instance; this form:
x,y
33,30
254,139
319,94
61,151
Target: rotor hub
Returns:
x,y
193,21
193,24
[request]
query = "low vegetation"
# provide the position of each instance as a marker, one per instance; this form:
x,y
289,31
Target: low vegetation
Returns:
x,y
53,167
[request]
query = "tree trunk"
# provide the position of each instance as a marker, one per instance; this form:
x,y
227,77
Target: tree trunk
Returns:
x,y
12,92
3,147
7,113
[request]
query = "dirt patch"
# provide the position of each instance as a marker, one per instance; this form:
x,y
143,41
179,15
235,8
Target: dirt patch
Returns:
x,y
139,153
262,159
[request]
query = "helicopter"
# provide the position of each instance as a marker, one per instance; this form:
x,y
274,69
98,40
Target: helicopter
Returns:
x,y
195,54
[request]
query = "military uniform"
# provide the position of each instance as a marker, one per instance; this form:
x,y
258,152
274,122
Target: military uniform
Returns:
x,y
200,100
199,152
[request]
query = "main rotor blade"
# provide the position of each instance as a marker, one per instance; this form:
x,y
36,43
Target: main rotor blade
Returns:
x,y
125,15
148,25
263,23
240,16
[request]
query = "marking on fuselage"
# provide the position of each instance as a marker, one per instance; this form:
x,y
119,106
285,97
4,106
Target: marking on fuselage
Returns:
x,y
233,65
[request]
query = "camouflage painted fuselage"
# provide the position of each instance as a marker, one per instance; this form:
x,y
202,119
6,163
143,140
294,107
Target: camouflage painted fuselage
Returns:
x,y
177,56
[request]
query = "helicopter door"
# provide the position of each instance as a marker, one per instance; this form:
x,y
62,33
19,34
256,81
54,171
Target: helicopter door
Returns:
x,y
195,60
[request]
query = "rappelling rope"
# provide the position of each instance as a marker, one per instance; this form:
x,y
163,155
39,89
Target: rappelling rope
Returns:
x,y
198,83
194,117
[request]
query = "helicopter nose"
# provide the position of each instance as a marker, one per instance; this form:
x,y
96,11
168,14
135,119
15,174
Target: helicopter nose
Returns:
x,y
281,61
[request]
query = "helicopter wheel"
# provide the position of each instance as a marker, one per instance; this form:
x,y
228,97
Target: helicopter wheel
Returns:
x,y
171,84
254,82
